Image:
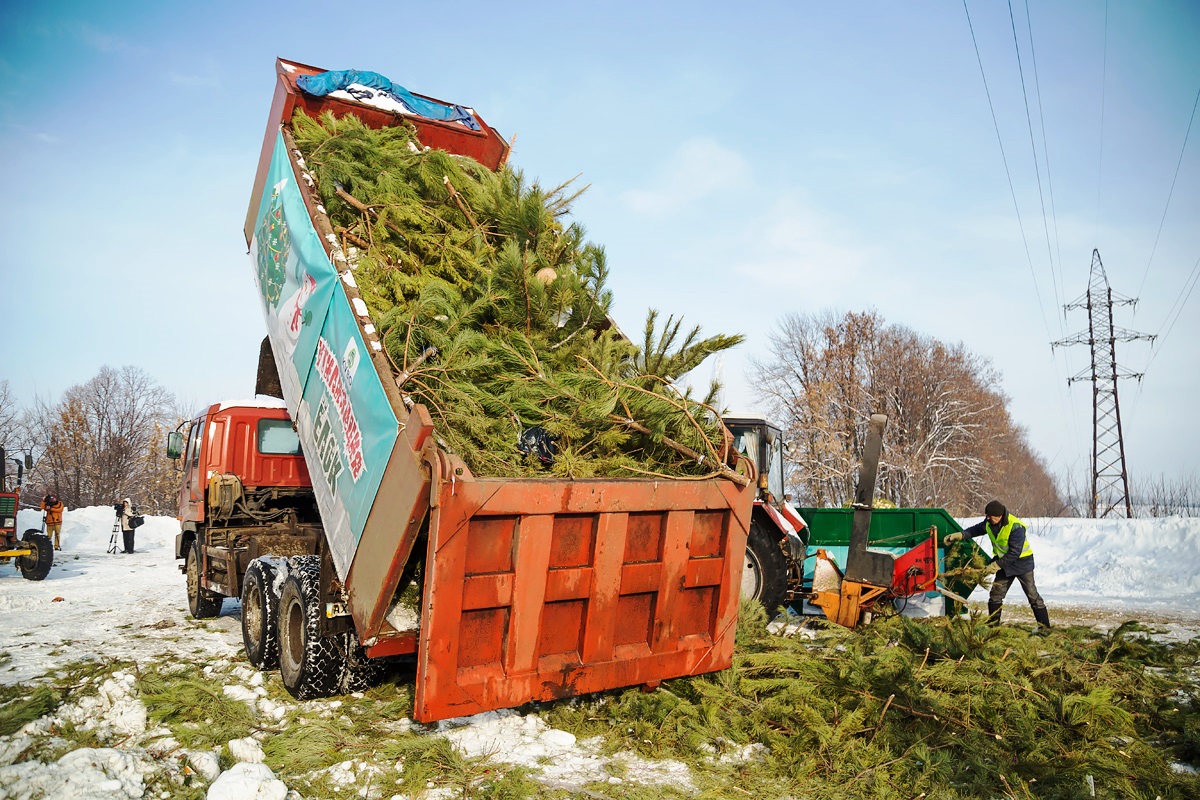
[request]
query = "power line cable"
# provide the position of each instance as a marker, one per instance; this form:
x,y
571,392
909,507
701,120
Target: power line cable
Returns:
x,y
1033,149
1046,154
1178,164
1103,84
1069,413
1007,172
1177,309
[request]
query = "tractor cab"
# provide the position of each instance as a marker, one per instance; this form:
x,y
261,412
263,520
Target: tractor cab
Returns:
x,y
778,536
10,494
762,443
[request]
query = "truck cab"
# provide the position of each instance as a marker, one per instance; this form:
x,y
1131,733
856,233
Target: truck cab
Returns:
x,y
245,491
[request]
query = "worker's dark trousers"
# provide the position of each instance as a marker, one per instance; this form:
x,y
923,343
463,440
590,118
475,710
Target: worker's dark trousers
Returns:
x,y
128,536
1000,588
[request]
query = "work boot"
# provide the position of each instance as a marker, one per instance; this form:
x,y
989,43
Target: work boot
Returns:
x,y
1042,615
994,612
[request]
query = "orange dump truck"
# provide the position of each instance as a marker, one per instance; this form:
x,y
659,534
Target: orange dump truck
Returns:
x,y
363,538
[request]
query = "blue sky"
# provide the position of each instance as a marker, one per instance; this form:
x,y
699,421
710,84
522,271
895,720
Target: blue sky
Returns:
x,y
744,163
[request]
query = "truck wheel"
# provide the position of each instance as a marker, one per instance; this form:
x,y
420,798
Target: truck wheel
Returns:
x,y
260,615
309,664
361,672
36,565
764,577
201,602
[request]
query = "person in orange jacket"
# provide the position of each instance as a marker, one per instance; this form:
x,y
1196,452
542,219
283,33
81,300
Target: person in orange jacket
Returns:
x,y
54,511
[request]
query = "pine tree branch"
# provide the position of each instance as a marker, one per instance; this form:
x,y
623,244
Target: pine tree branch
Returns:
x,y
458,201
368,211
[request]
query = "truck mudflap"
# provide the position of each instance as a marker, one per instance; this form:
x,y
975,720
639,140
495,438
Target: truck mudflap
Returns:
x,y
544,589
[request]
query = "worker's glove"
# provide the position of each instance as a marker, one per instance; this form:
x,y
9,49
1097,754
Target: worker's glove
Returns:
x,y
953,537
992,568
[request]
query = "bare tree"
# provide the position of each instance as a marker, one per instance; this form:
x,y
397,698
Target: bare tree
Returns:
x,y
99,440
950,440
9,414
14,436
1161,497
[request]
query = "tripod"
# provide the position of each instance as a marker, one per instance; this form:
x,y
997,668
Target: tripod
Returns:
x,y
112,540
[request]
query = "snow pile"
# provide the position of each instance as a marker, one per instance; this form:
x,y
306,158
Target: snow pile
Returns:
x,y
1119,563
112,713
510,738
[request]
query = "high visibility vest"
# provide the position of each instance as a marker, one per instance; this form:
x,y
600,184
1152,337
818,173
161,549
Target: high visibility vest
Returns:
x,y
1000,539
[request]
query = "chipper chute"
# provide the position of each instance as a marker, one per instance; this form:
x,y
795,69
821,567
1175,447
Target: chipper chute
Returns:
x,y
871,577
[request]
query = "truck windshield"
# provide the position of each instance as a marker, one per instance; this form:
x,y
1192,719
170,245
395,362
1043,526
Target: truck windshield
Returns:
x,y
276,438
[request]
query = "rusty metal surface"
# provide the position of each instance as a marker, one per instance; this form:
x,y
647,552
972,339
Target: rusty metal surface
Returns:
x,y
485,145
541,589
400,507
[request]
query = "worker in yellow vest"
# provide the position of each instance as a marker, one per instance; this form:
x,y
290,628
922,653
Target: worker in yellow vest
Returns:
x,y
1012,555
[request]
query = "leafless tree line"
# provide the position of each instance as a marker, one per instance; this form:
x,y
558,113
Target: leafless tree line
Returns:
x,y
1150,496
103,441
950,441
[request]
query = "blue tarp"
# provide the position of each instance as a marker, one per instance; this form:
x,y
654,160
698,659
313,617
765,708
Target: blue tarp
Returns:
x,y
323,83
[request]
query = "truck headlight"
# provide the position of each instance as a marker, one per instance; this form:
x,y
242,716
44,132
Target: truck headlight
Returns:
x,y
10,522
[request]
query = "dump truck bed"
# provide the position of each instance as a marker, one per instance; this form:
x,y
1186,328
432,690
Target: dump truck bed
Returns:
x,y
532,588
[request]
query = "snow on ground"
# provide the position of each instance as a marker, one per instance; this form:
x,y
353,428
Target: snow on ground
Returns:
x,y
134,607
110,606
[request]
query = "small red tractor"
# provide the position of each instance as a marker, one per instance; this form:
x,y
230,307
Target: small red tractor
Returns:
x,y
33,553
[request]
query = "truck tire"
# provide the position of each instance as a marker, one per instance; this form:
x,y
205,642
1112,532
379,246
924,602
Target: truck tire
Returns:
x,y
36,565
361,672
201,602
309,664
260,615
764,577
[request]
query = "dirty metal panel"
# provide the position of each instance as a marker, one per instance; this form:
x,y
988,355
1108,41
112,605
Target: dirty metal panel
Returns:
x,y
395,520
537,590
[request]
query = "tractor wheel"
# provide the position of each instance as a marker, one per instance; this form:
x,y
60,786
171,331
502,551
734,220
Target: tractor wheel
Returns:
x,y
36,565
309,664
260,614
764,577
201,602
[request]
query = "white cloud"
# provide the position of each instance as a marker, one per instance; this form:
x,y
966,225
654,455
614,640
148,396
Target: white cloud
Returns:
x,y
208,81
794,247
698,169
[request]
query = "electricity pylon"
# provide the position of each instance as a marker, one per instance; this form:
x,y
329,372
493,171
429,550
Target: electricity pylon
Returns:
x,y
1110,479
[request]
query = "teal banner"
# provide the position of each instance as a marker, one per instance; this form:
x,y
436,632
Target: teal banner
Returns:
x,y
346,425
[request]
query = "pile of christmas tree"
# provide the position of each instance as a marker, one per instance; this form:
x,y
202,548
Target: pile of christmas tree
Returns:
x,y
494,314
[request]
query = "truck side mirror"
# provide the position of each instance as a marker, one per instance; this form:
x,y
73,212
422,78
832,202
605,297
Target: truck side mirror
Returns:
x,y
174,445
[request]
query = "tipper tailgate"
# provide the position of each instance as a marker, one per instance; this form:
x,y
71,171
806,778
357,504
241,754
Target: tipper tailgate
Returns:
x,y
542,589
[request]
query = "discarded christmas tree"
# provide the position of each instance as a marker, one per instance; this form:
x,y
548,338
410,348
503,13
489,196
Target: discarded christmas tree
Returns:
x,y
494,314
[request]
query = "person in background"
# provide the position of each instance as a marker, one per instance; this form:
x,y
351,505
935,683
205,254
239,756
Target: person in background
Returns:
x,y
125,510
1012,555
54,511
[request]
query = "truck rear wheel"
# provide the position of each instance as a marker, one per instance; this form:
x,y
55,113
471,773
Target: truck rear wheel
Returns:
x,y
361,672
201,602
260,615
36,565
764,577
309,664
